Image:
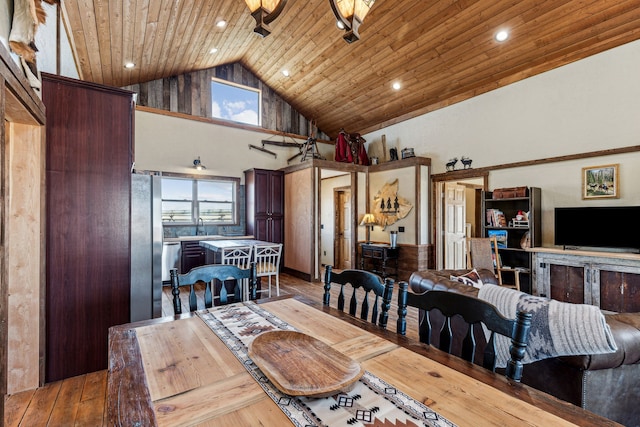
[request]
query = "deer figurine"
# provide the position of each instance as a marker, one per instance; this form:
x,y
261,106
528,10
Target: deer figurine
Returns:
x,y
466,162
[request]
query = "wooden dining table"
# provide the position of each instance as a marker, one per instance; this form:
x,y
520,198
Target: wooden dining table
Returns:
x,y
215,247
177,371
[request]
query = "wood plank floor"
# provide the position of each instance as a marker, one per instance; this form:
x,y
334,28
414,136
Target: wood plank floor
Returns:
x,y
81,400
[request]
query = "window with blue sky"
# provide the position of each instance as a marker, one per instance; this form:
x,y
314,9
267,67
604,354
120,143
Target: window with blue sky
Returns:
x,y
185,200
235,102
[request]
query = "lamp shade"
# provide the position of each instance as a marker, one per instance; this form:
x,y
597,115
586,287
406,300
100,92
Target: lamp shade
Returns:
x,y
351,14
264,12
369,219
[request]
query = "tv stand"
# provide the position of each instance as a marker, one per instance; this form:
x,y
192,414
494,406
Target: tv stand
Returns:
x,y
608,280
601,249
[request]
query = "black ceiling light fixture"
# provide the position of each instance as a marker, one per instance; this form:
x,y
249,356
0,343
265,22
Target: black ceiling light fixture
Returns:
x,y
265,12
197,164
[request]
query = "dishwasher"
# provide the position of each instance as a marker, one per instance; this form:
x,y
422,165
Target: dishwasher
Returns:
x,y
170,259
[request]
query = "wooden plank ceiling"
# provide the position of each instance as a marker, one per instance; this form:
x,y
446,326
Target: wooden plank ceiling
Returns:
x,y
441,51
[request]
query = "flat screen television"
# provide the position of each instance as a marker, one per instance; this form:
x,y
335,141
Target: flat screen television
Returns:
x,y
615,228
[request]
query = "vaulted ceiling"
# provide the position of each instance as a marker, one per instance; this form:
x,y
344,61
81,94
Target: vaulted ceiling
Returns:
x,y
440,51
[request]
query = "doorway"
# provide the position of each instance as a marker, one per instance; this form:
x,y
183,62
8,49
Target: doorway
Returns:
x,y
342,230
457,217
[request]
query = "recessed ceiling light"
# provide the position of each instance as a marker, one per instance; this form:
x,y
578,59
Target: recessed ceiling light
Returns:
x,y
502,35
129,65
221,23
285,73
396,86
214,50
340,25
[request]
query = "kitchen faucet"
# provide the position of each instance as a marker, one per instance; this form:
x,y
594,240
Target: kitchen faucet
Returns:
x,y
198,222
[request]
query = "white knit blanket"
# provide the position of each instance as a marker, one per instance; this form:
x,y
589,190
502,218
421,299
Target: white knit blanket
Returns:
x,y
557,328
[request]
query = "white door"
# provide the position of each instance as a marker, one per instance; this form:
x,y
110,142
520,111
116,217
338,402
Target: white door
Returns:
x,y
454,226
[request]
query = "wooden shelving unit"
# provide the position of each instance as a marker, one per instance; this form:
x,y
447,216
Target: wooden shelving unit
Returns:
x,y
514,255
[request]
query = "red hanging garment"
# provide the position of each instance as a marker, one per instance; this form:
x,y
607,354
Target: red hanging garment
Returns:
x,y
343,152
362,152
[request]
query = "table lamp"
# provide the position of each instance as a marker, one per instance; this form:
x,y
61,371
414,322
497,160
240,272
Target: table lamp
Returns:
x,y
369,220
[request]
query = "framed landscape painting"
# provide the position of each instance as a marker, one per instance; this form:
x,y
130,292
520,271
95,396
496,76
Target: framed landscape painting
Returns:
x,y
600,182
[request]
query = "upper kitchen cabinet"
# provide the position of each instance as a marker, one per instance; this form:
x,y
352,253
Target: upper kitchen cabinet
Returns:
x,y
264,191
89,134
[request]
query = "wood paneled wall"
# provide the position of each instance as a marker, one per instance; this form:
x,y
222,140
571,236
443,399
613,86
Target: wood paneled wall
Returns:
x,y
299,221
191,94
412,258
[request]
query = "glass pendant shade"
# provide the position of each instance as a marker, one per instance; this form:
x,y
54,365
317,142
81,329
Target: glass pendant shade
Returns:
x,y
264,12
351,14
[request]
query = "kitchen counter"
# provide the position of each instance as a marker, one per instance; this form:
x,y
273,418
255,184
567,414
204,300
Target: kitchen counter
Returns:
x,y
209,237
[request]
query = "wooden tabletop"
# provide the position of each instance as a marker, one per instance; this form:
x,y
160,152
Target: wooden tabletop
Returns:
x,y
217,245
169,371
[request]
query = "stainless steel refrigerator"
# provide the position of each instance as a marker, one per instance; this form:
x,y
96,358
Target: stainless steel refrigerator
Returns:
x,y
146,246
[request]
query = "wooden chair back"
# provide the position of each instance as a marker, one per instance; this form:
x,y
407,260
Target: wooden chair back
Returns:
x,y
362,283
207,274
482,253
475,313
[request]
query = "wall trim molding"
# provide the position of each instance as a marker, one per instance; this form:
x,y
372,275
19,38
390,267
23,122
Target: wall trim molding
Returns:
x,y
469,173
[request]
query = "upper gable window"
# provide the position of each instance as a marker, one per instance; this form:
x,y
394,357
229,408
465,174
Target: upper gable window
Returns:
x,y
230,101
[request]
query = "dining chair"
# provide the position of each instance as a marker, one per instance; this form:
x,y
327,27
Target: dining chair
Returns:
x,y
474,312
267,259
482,252
240,256
362,283
205,275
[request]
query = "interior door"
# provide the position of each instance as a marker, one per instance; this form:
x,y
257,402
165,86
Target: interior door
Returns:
x,y
454,226
342,249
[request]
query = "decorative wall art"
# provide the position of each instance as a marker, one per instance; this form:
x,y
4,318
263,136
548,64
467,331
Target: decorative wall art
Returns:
x,y
388,207
600,182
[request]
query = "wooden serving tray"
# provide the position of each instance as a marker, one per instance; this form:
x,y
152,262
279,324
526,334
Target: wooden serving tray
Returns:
x,y
300,365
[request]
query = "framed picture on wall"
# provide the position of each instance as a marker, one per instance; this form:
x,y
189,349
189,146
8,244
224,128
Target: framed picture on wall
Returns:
x,y
600,182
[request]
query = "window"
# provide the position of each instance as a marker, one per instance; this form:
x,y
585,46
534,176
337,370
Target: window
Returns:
x,y
235,102
186,200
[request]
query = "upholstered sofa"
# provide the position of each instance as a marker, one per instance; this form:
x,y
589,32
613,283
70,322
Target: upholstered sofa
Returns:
x,y
606,384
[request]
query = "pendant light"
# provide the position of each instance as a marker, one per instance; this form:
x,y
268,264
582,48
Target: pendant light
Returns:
x,y
264,12
351,13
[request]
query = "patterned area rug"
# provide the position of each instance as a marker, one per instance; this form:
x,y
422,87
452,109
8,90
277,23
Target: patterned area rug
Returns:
x,y
372,402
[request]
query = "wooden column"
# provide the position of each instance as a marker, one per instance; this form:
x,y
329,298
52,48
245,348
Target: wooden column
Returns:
x,y
21,231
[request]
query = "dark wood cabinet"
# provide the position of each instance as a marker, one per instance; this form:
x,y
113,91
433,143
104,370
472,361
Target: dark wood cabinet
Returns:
x,y
379,258
89,134
607,280
192,255
264,190
568,283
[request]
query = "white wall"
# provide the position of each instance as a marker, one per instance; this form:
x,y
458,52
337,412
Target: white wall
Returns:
x,y
6,12
589,105
170,144
46,43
